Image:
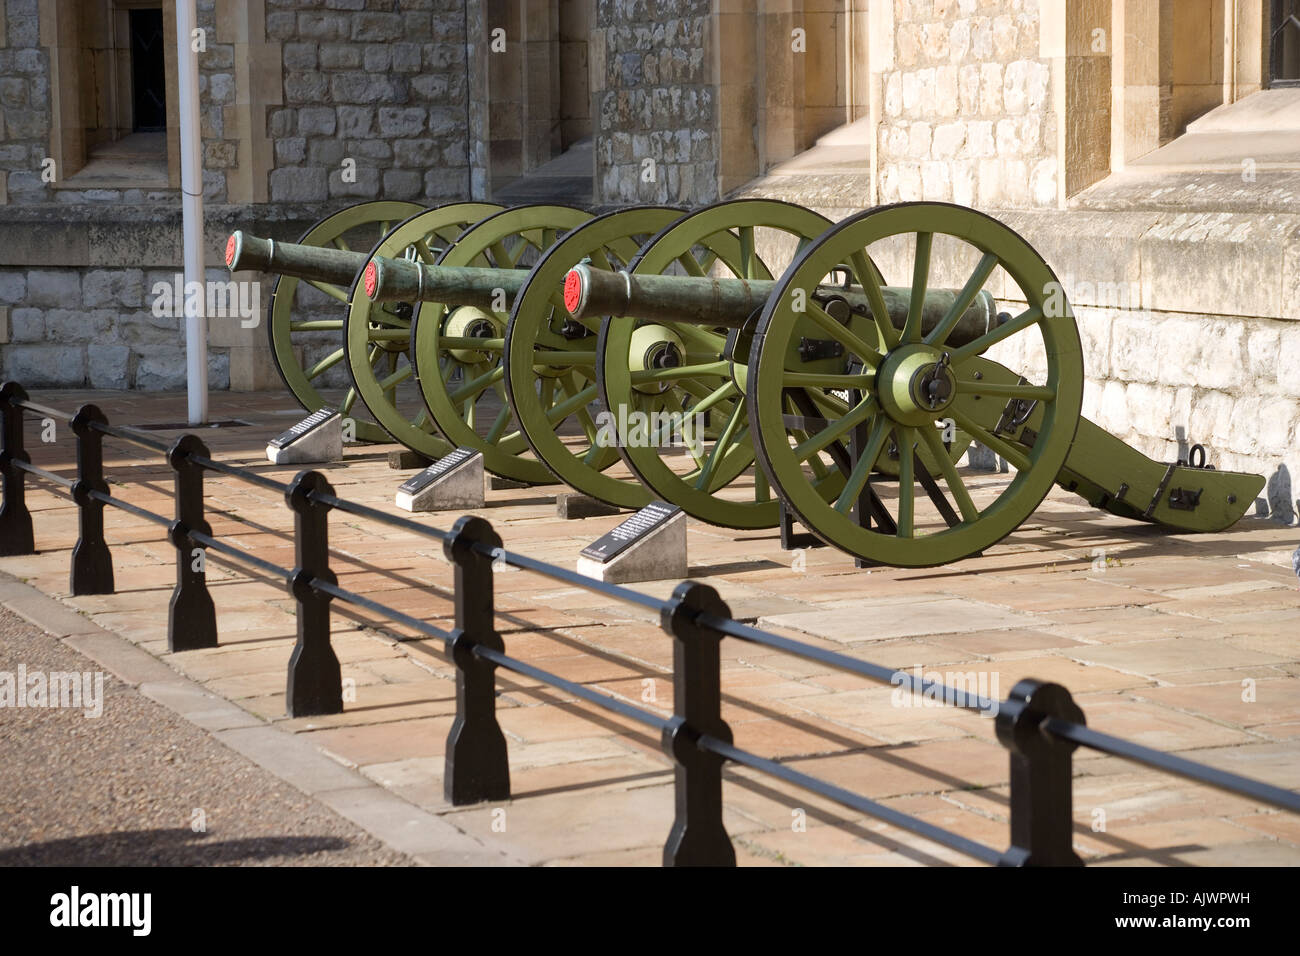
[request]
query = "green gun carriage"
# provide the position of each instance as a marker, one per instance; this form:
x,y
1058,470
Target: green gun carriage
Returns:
x,y
824,388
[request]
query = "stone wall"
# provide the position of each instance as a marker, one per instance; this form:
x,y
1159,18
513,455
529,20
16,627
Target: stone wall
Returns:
x,y
656,122
380,82
967,107
25,115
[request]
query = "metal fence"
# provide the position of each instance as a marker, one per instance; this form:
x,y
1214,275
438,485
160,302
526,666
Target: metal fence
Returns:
x,y
1039,723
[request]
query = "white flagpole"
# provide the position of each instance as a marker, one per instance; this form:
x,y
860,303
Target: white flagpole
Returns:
x,y
196,323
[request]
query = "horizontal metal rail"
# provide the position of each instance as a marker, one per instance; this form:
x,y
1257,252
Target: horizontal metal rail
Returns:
x,y
42,473
1178,766
1038,723
848,798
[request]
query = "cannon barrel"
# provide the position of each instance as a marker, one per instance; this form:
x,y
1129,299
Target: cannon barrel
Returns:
x,y
729,303
315,263
453,285
404,280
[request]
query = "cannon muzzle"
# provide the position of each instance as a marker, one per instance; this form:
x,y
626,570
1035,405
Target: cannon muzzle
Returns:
x,y
313,263
385,279
729,303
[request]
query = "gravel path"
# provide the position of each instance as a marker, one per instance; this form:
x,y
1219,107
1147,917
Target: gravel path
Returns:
x,y
123,788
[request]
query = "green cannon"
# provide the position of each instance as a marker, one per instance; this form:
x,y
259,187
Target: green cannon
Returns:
x,y
561,344
825,380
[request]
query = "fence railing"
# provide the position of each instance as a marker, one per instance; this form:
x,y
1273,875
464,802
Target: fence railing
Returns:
x,y
1039,723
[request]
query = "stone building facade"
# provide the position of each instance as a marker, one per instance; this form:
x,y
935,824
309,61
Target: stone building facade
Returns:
x,y
1078,121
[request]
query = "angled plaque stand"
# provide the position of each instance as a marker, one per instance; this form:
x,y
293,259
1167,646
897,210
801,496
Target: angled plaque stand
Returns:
x,y
453,482
648,546
318,437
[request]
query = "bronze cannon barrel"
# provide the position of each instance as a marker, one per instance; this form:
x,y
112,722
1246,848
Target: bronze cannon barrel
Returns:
x,y
729,302
403,279
314,263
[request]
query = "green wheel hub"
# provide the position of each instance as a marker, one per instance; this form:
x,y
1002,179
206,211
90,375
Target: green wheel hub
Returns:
x,y
550,358
377,334
464,390
677,396
305,329
905,381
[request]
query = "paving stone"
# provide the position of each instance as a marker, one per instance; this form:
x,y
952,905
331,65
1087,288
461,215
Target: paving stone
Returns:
x,y
940,615
1155,649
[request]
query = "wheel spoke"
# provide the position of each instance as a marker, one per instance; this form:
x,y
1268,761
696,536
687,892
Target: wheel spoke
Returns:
x,y
691,264
939,334
956,487
553,357
424,252
570,388
682,371
574,401
317,325
920,278
719,450
862,382
1024,320
498,426
906,438
806,449
719,394
501,255
328,362
512,444
748,261
1035,393
349,399
843,334
396,378
1010,452
857,478
875,298
341,243
333,291
477,384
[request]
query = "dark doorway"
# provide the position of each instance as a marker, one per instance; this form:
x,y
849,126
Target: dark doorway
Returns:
x,y
148,71
1284,46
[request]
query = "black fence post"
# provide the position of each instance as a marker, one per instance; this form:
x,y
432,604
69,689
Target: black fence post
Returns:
x,y
92,565
1041,788
191,615
698,836
477,766
15,520
315,683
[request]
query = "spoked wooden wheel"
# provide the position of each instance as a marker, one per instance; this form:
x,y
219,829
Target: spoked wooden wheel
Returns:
x,y
305,318
673,387
458,350
377,334
901,382
551,357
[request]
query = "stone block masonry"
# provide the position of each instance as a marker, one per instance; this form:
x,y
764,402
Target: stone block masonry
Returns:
x,y
967,109
374,101
657,126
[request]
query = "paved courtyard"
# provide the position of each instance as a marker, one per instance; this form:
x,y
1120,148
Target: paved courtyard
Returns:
x,y
1184,643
